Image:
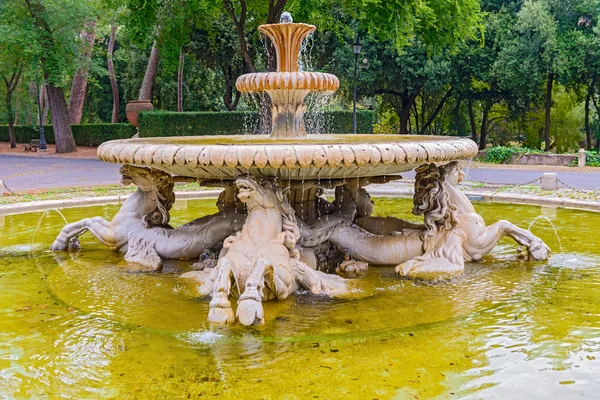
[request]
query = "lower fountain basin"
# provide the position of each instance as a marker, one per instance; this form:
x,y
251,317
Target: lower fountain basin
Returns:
x,y
81,326
311,157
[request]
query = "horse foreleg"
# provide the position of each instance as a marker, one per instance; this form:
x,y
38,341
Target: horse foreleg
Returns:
x,y
318,282
536,248
67,238
250,309
220,307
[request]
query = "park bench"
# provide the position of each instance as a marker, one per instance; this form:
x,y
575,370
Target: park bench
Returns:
x,y
33,146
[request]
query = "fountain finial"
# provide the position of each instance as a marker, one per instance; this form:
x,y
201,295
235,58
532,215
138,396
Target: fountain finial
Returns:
x,y
286,18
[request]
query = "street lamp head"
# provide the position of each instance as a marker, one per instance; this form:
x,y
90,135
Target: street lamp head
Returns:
x,y
357,46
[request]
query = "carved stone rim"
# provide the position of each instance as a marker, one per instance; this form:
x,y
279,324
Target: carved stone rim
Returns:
x,y
263,81
150,152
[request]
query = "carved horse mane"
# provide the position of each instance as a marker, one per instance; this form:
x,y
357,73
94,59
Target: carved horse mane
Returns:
x,y
160,183
432,200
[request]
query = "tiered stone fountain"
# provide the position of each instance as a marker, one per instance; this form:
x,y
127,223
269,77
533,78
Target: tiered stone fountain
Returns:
x,y
274,232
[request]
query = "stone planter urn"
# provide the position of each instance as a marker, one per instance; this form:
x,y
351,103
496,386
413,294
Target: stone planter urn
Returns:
x,y
133,108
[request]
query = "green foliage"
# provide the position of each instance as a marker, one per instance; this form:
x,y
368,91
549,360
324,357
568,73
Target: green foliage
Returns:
x,y
502,154
592,159
85,134
389,122
164,123
439,24
567,122
56,40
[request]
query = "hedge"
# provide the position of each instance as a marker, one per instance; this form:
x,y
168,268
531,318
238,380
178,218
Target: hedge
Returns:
x,y
165,123
85,134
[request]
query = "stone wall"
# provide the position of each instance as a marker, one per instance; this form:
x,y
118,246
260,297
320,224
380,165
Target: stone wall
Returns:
x,y
543,159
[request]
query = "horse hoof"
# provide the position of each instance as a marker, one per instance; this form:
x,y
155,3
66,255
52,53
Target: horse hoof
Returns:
x,y
74,245
250,309
538,251
58,246
220,310
403,269
352,268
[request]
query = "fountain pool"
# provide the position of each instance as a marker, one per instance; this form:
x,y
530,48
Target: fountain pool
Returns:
x,y
80,325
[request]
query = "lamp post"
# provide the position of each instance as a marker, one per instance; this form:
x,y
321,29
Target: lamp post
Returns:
x,y
43,146
356,47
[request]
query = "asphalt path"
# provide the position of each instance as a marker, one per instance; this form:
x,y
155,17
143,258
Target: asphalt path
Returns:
x,y
29,173
21,173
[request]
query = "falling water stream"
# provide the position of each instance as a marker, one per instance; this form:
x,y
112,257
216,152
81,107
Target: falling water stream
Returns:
x,y
551,224
40,223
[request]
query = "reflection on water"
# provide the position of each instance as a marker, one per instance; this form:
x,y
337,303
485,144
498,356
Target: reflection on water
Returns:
x,y
82,326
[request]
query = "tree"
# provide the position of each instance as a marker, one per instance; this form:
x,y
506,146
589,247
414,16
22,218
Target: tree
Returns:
x,y
399,78
581,45
17,50
80,79
11,84
56,24
214,44
111,72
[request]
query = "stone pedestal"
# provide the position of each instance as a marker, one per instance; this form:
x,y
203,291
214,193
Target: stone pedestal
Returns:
x,y
549,181
581,158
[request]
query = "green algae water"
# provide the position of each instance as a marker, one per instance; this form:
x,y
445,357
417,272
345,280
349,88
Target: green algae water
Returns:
x,y
84,326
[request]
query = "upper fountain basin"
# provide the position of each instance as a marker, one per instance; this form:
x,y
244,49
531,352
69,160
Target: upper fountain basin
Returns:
x,y
264,81
313,157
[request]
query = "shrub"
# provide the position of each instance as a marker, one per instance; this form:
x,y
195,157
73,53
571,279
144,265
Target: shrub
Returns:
x,y
85,134
592,159
96,134
165,123
502,154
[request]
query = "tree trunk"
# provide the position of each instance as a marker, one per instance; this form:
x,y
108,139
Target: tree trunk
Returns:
x,y
548,107
598,114
416,112
407,102
79,84
472,120
180,81
588,133
11,122
148,82
404,116
11,85
484,125
228,100
44,103
240,27
111,74
60,120
275,10
56,97
16,111
437,110
32,92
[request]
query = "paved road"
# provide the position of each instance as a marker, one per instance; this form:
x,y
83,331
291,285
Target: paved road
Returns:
x,y
27,173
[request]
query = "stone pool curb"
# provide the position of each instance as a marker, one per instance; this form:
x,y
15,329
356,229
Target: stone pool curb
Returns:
x,y
496,197
43,205
490,196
